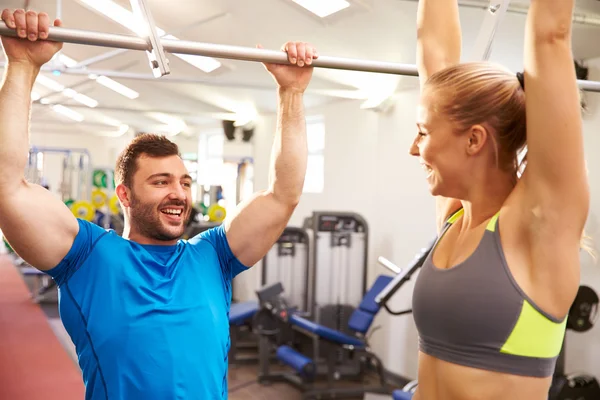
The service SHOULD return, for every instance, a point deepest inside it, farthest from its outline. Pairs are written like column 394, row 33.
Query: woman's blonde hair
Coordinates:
column 487, row 94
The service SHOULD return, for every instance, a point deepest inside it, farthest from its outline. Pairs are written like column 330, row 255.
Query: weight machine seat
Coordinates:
column 362, row 318
column 240, row 313
column 401, row 395
column 326, row 333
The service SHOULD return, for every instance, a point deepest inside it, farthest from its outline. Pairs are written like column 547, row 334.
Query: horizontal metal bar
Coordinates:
column 589, row 86
column 102, row 39
column 278, row 57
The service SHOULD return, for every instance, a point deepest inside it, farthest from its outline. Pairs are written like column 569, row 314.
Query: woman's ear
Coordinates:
column 477, row 137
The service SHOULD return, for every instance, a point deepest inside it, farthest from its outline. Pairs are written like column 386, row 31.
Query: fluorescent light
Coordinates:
column 128, row 19
column 117, row 87
column 69, row 93
column 67, row 112
column 49, row 83
column 57, row 87
column 123, row 129
column 80, row 98
column 323, row 8
column 85, row 100
column 245, row 115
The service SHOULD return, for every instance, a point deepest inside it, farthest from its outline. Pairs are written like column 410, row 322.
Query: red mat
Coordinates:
column 33, row 363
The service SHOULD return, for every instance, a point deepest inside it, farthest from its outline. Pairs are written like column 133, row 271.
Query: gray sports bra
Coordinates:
column 475, row 314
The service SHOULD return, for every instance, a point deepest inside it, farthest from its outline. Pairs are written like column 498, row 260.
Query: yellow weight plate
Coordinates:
column 114, row 206
column 83, row 210
column 99, row 198
column 216, row 213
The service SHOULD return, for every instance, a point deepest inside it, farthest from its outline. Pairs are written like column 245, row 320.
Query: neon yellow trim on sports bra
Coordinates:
column 454, row 217
column 491, row 226
column 534, row 335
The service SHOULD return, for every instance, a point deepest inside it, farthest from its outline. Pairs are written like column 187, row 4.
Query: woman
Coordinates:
column 491, row 301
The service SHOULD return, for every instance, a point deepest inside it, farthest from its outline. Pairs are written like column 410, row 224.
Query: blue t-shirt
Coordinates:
column 148, row 321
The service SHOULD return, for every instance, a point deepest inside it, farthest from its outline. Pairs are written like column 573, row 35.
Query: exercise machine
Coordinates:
column 287, row 261
column 338, row 266
column 76, row 179
column 279, row 329
column 338, row 272
column 279, row 326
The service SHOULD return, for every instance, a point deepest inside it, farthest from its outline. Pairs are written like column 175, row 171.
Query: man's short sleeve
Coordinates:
column 83, row 244
column 230, row 265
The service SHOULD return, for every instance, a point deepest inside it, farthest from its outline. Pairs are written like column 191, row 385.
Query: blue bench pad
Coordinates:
column 239, row 313
column 326, row 333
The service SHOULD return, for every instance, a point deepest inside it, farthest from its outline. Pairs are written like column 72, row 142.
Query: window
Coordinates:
column 315, row 169
column 210, row 158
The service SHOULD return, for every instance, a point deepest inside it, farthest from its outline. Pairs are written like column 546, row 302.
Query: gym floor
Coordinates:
column 242, row 378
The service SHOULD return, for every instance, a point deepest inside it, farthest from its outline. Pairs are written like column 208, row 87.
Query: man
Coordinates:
column 148, row 313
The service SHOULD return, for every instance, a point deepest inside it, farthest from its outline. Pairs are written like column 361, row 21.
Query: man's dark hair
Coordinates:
column 147, row 144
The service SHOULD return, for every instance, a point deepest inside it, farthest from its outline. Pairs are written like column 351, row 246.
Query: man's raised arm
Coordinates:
column 259, row 221
column 38, row 226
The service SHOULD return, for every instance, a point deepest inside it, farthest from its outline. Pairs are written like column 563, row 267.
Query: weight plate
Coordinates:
column 99, row 178
column 83, row 210
column 216, row 213
column 99, row 198
column 583, row 312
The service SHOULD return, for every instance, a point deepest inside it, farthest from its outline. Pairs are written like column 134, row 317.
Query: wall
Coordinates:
column 405, row 222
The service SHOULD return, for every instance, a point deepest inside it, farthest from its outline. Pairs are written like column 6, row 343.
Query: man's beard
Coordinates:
column 146, row 219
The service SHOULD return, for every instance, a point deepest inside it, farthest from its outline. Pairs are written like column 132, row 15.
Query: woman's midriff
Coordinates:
column 440, row 380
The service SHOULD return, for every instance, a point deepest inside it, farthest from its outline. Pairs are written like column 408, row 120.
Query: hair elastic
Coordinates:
column 521, row 79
